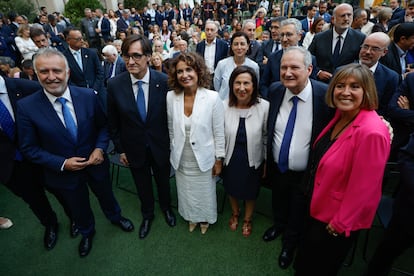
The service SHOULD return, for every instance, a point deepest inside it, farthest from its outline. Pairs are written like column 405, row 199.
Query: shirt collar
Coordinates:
column 52, row 98
column 74, row 51
column 145, row 79
column 303, row 95
column 3, row 88
column 335, row 34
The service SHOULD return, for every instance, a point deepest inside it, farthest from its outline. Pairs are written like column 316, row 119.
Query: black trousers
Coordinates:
column 78, row 198
column 27, row 183
column 289, row 205
column 321, row 253
column 143, row 182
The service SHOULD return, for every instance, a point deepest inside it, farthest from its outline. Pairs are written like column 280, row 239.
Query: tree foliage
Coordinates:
column 74, row 9
column 21, row 7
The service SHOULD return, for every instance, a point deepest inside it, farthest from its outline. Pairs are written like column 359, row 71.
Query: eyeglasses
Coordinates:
column 288, row 35
column 134, row 56
column 76, row 38
column 372, row 48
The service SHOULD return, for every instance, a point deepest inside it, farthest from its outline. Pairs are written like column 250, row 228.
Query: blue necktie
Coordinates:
column 287, row 137
column 78, row 59
column 336, row 51
column 141, row 102
column 69, row 121
column 8, row 126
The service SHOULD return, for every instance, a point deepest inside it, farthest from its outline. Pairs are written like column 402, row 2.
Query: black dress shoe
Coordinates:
column 125, row 224
column 74, row 231
column 170, row 218
column 285, row 258
column 271, row 234
column 144, row 228
column 50, row 236
column 85, row 245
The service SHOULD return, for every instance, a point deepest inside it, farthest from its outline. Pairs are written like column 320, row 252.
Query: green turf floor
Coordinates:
column 166, row 251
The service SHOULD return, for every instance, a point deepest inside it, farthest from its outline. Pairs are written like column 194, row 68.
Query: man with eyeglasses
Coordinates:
column 337, row 46
column 85, row 67
column 137, row 116
column 290, row 34
column 272, row 45
column 374, row 47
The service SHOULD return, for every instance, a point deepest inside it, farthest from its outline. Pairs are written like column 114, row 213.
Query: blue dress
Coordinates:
column 241, row 181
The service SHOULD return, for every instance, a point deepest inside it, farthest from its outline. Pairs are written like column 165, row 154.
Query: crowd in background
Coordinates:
column 241, row 73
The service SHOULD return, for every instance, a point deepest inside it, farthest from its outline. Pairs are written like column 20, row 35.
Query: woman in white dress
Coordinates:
column 196, row 128
column 24, row 43
column 239, row 49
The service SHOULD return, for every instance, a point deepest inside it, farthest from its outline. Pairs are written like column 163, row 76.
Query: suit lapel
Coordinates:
column 49, row 113
column 153, row 96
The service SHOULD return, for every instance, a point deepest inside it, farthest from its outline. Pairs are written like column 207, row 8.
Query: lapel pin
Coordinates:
column 157, row 85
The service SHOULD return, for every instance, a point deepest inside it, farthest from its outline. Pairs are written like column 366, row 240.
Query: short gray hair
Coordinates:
column 307, row 57
column 109, row 49
column 292, row 21
column 49, row 52
column 245, row 22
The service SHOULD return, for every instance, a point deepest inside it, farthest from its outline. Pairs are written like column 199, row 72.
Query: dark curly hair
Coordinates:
column 236, row 72
column 197, row 63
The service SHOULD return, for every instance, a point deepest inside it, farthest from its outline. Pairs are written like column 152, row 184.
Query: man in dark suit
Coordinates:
column 399, row 235
column 138, row 125
column 85, row 67
column 310, row 17
column 398, row 13
column 65, row 131
column 290, row 35
column 113, row 64
column 403, row 41
column 374, row 47
column 401, row 112
column 249, row 27
column 272, row 45
column 337, row 46
column 123, row 23
column 287, row 173
column 217, row 49
column 23, row 178
column 103, row 26
column 323, row 12
column 53, row 30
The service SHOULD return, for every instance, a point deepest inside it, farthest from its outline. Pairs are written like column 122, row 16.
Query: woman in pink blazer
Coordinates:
column 347, row 165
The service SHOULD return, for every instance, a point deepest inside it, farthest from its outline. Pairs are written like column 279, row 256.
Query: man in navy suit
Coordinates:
column 65, row 131
column 310, row 17
column 53, row 30
column 113, row 64
column 399, row 235
column 249, row 27
column 138, row 125
column 398, row 13
column 401, row 112
column 323, row 12
column 329, row 54
column 288, row 189
column 217, row 49
column 123, row 23
column 272, row 45
column 402, row 42
column 374, row 47
column 290, row 34
column 103, row 26
column 20, row 176
column 85, row 67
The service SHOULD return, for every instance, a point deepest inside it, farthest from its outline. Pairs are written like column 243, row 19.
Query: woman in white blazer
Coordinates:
column 196, row 128
column 245, row 127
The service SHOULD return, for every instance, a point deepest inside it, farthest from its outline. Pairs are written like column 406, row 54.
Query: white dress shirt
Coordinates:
column 58, row 106
column 145, row 87
column 335, row 39
column 300, row 144
column 4, row 97
column 209, row 55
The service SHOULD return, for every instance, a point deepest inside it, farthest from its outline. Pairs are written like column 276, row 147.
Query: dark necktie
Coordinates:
column 337, row 50
column 69, row 121
column 110, row 70
column 8, row 126
column 275, row 46
column 141, row 102
column 287, row 137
